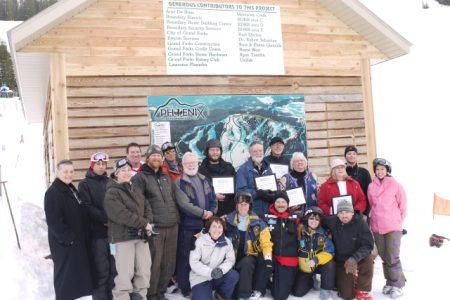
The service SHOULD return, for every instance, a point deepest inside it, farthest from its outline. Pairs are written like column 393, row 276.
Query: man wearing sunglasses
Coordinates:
column 164, row 197
column 171, row 165
column 92, row 191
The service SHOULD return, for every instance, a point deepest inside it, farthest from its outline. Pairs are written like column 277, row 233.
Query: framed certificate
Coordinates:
column 336, row 200
column 223, row 185
column 279, row 170
column 268, row 182
column 296, row 197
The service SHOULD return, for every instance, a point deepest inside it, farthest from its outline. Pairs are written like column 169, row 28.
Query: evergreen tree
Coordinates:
column 7, row 75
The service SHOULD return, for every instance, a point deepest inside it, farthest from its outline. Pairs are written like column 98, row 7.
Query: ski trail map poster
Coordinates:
column 235, row 120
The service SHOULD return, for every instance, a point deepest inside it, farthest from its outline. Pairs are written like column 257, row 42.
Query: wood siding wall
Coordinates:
column 107, row 113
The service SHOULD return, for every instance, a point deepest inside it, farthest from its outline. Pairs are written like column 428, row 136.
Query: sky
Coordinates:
column 410, row 106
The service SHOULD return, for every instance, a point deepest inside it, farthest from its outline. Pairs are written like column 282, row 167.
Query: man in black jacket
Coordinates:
column 92, row 192
column 276, row 152
column 353, row 242
column 164, row 197
column 214, row 166
column 361, row 174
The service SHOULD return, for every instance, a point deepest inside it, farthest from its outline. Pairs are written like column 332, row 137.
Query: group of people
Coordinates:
column 130, row 234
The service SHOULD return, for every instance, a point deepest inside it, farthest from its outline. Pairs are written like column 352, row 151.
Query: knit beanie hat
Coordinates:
column 282, row 195
column 350, row 148
column 275, row 140
column 345, row 206
column 152, row 149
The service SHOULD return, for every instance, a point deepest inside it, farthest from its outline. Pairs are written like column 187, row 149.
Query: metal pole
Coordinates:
column 10, row 211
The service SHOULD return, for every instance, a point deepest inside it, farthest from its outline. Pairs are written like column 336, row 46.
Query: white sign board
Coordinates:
column 223, row 38
column 161, row 132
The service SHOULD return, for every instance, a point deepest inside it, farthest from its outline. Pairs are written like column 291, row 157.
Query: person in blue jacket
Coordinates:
column 200, row 193
column 315, row 256
column 255, row 166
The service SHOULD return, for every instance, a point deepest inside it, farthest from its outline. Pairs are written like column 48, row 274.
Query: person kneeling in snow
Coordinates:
column 211, row 260
column 353, row 243
column 315, row 256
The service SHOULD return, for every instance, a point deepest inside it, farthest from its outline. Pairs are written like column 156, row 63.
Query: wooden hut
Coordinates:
column 86, row 67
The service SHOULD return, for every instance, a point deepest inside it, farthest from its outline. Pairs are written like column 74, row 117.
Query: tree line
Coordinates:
column 22, row 10
column 16, row 10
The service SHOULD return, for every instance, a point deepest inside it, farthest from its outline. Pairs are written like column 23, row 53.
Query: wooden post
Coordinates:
column 368, row 112
column 10, row 212
column 59, row 107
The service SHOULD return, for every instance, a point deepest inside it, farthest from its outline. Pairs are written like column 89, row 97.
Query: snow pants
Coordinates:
column 346, row 283
column 133, row 264
column 224, row 286
column 163, row 251
column 283, row 280
column 185, row 236
column 304, row 281
column 252, row 276
column 388, row 246
column 105, row 269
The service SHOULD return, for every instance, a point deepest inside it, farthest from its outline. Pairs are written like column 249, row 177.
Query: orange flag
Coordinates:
column 441, row 206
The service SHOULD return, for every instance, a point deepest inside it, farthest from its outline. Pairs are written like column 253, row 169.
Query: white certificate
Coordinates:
column 223, row 185
column 279, row 170
column 266, row 183
column 296, row 197
column 336, row 200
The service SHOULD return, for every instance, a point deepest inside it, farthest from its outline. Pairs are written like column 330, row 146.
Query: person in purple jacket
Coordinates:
column 388, row 201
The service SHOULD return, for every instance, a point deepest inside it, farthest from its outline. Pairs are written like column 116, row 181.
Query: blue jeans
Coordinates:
column 224, row 285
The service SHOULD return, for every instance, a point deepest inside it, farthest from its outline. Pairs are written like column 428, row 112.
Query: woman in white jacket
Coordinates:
column 212, row 262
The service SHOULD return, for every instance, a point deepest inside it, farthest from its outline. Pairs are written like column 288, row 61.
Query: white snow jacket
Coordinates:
column 208, row 255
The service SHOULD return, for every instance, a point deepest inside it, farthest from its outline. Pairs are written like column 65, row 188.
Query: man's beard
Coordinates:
column 214, row 160
column 257, row 159
column 191, row 172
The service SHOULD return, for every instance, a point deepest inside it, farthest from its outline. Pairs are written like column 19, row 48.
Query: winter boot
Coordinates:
column 326, row 295
column 316, row 282
column 136, row 296
column 396, row 292
column 361, row 295
column 387, row 289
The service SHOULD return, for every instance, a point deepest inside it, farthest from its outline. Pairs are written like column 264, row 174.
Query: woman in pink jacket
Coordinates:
column 388, row 201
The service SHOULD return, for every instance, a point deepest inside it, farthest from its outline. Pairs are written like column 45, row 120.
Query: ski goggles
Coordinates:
column 167, row 146
column 120, row 164
column 380, row 161
column 99, row 156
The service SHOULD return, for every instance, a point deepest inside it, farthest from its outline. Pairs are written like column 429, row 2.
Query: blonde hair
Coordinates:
column 333, row 174
column 298, row 155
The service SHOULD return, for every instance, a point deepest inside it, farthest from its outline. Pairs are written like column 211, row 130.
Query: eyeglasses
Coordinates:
column 99, row 156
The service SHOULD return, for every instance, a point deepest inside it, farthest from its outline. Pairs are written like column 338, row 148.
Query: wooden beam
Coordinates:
column 368, row 112
column 59, row 107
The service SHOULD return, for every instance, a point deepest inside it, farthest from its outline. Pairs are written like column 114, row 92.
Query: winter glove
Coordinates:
column 216, row 273
column 269, row 266
column 260, row 194
column 351, row 266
